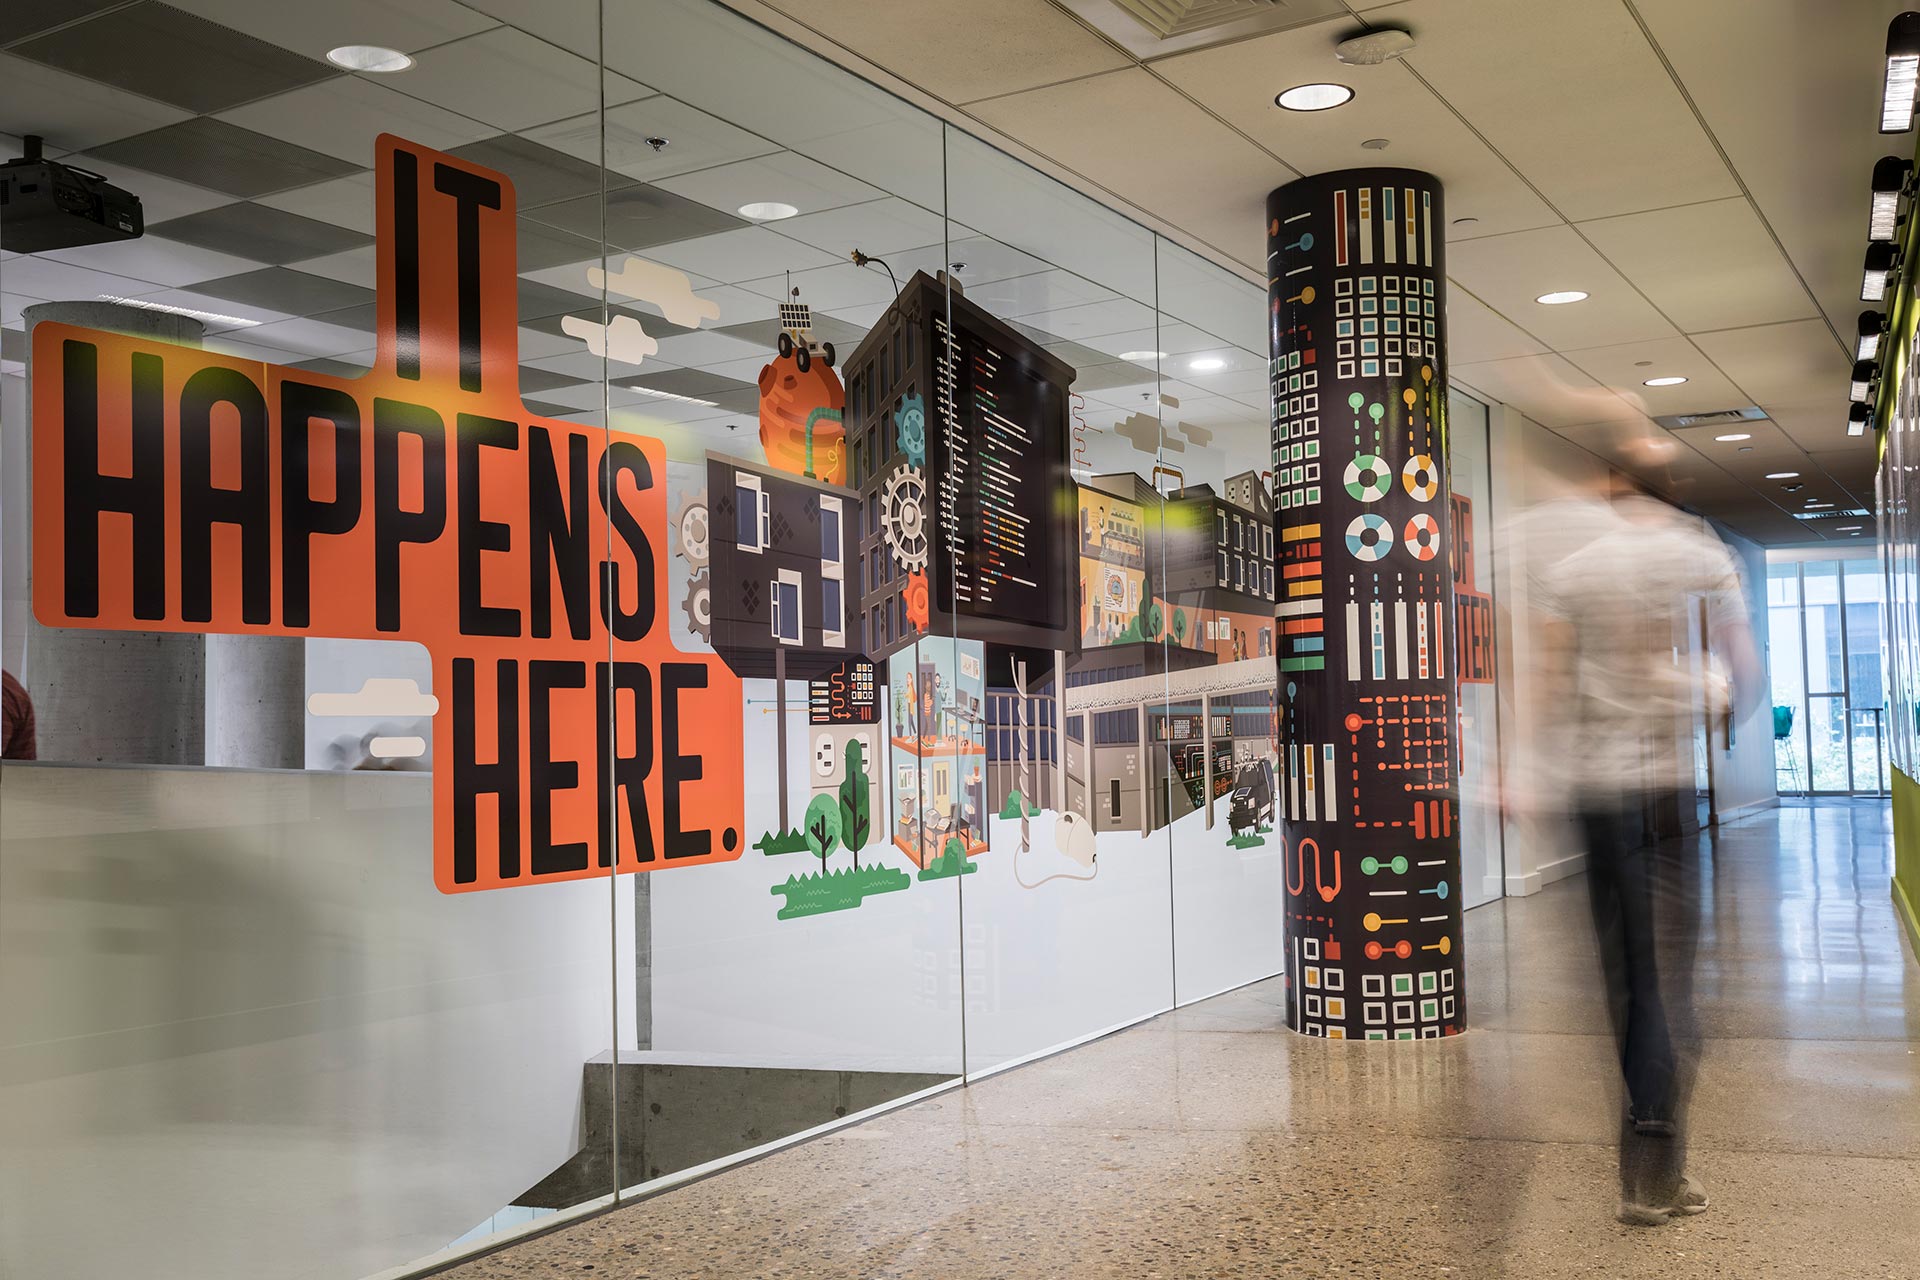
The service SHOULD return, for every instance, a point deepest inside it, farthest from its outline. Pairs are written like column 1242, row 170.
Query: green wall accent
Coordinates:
column 1906, row 854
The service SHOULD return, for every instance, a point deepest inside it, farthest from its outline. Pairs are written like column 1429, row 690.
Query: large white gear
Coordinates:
column 904, row 507
column 691, row 528
column 697, row 604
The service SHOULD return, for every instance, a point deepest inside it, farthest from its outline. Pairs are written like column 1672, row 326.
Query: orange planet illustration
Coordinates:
column 800, row 419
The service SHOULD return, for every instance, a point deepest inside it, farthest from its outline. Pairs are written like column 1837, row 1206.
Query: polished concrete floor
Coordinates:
column 1211, row 1142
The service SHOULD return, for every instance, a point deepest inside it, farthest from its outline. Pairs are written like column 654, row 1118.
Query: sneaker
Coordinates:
column 1634, row 1214
column 1691, row 1198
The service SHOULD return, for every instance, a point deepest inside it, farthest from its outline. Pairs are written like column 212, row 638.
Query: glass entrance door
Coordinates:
column 1828, row 690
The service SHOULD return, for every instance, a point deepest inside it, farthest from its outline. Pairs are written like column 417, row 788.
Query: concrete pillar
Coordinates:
column 1369, row 718
column 130, row 697
column 256, row 701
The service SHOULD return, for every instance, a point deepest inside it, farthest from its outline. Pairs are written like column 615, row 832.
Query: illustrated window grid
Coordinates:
column 1369, row 368
column 1406, row 1033
column 1402, row 984
column 1391, row 284
column 1430, row 1033
column 1446, row 979
column 1343, row 286
column 1373, row 985
column 1402, row 1010
column 1342, row 307
column 1369, row 284
column 1446, row 1006
column 1336, row 1007
column 1429, row 983
column 1393, row 368
column 1374, row 1013
column 1346, row 369
column 1313, row 1004
column 1311, row 975
column 1310, row 948
column 1333, row 980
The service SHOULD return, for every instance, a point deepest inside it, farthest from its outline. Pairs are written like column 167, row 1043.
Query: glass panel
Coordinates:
column 1826, row 650
column 1788, row 674
column 1482, row 869
column 1046, row 439
column 1829, row 742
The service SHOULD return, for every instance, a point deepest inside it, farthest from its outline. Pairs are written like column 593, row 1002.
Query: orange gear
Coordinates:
column 917, row 596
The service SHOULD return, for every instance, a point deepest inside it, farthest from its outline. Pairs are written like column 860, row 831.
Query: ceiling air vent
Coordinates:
column 1155, row 28
column 1712, row 417
column 1849, row 513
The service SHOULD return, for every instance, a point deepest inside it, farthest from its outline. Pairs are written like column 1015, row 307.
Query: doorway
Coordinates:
column 1829, row 693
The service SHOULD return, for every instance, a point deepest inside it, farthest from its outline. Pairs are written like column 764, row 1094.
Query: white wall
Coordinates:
column 243, row 1036
column 1743, row 779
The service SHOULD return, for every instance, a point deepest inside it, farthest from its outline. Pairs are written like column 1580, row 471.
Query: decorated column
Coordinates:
column 1369, row 799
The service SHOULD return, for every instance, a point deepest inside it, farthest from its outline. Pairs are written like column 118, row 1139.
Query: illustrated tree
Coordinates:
column 1179, row 626
column 856, row 802
column 822, row 828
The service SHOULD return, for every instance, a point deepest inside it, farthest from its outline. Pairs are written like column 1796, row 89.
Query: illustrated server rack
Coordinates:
column 958, row 443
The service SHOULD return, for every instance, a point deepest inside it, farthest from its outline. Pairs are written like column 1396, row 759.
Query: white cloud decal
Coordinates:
column 663, row 287
column 378, row 698
column 623, row 340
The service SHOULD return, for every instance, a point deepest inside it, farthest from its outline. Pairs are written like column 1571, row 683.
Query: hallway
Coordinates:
column 1212, row 1142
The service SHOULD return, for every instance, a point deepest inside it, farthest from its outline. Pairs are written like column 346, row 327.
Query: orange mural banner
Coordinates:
column 176, row 489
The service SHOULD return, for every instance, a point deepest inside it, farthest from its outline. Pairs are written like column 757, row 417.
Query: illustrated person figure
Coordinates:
column 18, row 740
column 1616, row 580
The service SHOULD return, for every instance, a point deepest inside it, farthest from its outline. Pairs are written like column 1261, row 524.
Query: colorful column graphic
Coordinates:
column 1368, row 727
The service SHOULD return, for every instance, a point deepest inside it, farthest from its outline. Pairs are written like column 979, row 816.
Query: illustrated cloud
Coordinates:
column 1142, row 430
column 623, row 340
column 664, row 287
column 1201, row 436
column 378, row 698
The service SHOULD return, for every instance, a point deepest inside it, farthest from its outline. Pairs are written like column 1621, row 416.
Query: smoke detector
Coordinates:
column 1371, row 48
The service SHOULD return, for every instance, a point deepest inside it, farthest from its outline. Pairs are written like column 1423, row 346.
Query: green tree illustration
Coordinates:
column 822, row 826
column 856, row 802
column 1179, row 626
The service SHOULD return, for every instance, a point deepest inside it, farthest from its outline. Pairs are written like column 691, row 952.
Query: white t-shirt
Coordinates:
column 1624, row 576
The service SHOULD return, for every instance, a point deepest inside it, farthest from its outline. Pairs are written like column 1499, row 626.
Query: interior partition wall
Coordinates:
column 596, row 602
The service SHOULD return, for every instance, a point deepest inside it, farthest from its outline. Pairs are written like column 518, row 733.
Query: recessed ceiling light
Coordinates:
column 369, row 57
column 1848, row 528
column 1376, row 144
column 1783, row 475
column 767, row 211
column 1733, row 436
column 1143, row 355
column 1465, row 222
column 1562, row 297
column 1314, row 97
column 1663, row 382
column 1812, row 504
column 668, row 395
column 1207, row 364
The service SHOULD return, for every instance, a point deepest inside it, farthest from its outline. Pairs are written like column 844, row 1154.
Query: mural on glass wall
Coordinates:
column 902, row 610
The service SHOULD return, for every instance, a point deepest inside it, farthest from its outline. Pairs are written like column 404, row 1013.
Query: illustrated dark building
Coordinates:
column 783, row 578
column 1218, row 545
column 958, row 446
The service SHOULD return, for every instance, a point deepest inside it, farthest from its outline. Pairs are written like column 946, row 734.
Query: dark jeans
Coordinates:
column 1624, row 882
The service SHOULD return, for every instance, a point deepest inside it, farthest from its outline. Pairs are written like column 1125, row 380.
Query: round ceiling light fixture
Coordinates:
column 1663, row 382
column 1734, row 437
column 1143, row 355
column 1371, row 48
column 767, row 211
column 1783, row 475
column 369, row 57
column 1561, row 297
column 1314, row 97
column 1207, row 364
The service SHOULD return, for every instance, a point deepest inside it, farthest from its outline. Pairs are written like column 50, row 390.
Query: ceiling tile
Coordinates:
column 343, row 117
column 23, row 18
column 1008, row 45
column 41, row 277
column 1795, row 363
column 286, row 291
column 224, row 157
column 344, row 202
column 1573, row 95
column 1624, row 369
column 511, row 80
column 782, row 176
column 306, row 337
column 746, row 254
column 263, row 234
column 73, row 113
column 1238, row 81
column 1707, row 266
column 693, row 140
column 635, row 217
column 877, row 227
column 155, row 258
column 1817, row 425
column 160, row 198
column 355, row 266
column 1545, row 388
column 313, row 29
column 1133, row 135
column 540, row 174
column 1476, row 332
column 1508, row 272
column 1090, row 320
column 163, row 53
column 837, row 289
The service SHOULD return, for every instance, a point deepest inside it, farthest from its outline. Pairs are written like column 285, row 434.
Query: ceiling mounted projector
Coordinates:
column 1372, row 48
column 48, row 205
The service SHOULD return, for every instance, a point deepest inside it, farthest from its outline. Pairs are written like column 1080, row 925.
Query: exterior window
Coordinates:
column 1221, row 516
column 1239, row 534
column 751, row 512
column 1239, row 573
column 1223, row 568
column 1113, row 796
column 784, row 591
column 1269, row 573
column 1267, row 542
column 833, row 574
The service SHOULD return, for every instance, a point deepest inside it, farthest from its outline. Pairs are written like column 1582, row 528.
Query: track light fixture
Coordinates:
column 1863, row 376
column 1878, row 272
column 1857, row 418
column 1872, row 325
column 1903, row 74
column 1891, row 175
